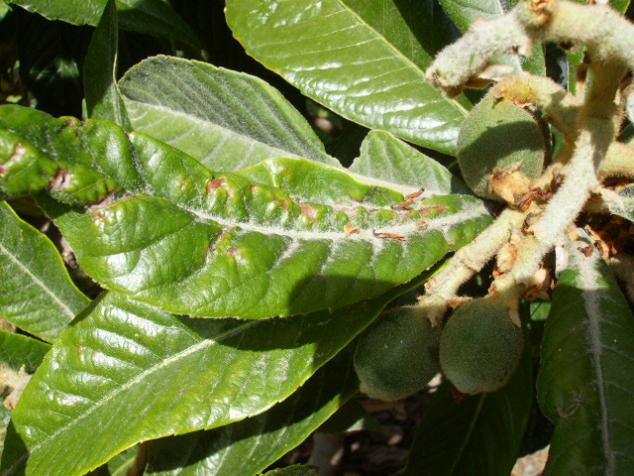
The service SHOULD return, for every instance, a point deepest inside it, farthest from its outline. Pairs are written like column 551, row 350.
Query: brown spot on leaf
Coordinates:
column 407, row 203
column 307, row 210
column 349, row 229
column 18, row 153
column 60, row 181
column 416, row 194
column 432, row 209
column 214, row 184
column 390, row 236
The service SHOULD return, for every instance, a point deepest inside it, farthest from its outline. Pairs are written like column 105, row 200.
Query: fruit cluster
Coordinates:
column 504, row 155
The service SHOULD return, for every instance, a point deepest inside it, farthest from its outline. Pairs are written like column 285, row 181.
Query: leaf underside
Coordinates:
column 585, row 382
column 473, row 435
column 224, row 119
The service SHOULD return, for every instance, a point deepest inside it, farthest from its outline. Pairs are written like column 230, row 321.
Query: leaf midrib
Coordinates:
column 199, row 346
column 469, row 432
column 208, row 124
column 63, row 306
column 589, row 277
column 470, row 211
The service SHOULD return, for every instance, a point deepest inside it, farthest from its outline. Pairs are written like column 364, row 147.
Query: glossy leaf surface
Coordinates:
column 77, row 163
column 36, row 293
column 334, row 52
column 163, row 375
column 18, row 350
column 250, row 446
column 391, row 160
column 473, row 435
column 204, row 244
column 153, row 17
column 585, row 382
column 225, row 119
column 103, row 99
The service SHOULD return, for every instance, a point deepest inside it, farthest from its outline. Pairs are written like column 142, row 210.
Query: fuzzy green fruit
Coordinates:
column 499, row 136
column 480, row 347
column 398, row 355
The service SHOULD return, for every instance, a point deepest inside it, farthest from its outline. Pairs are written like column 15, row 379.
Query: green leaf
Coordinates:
column 212, row 245
column 473, row 435
column 314, row 182
column 251, row 445
column 587, row 361
column 391, row 160
column 225, row 119
column 333, row 51
column 76, row 162
column 14, row 453
column 103, row 99
column 418, row 29
column 120, row 464
column 4, row 9
column 619, row 5
column 163, row 375
column 18, row 351
column 465, row 12
column 152, row 17
column 36, row 293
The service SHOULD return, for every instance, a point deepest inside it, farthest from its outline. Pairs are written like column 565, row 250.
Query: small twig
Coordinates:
column 467, row 261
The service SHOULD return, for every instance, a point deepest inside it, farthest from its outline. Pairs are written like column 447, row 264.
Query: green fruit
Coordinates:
column 498, row 135
column 480, row 347
column 398, row 355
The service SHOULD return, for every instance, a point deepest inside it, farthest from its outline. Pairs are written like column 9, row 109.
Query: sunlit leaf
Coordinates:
column 164, row 375
column 196, row 242
column 335, row 53
column 36, row 293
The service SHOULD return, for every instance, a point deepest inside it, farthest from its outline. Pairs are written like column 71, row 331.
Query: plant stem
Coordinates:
column 467, row 261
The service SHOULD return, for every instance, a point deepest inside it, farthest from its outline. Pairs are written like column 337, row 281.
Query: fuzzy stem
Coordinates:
column 596, row 127
column 560, row 107
column 608, row 37
column 467, row 261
